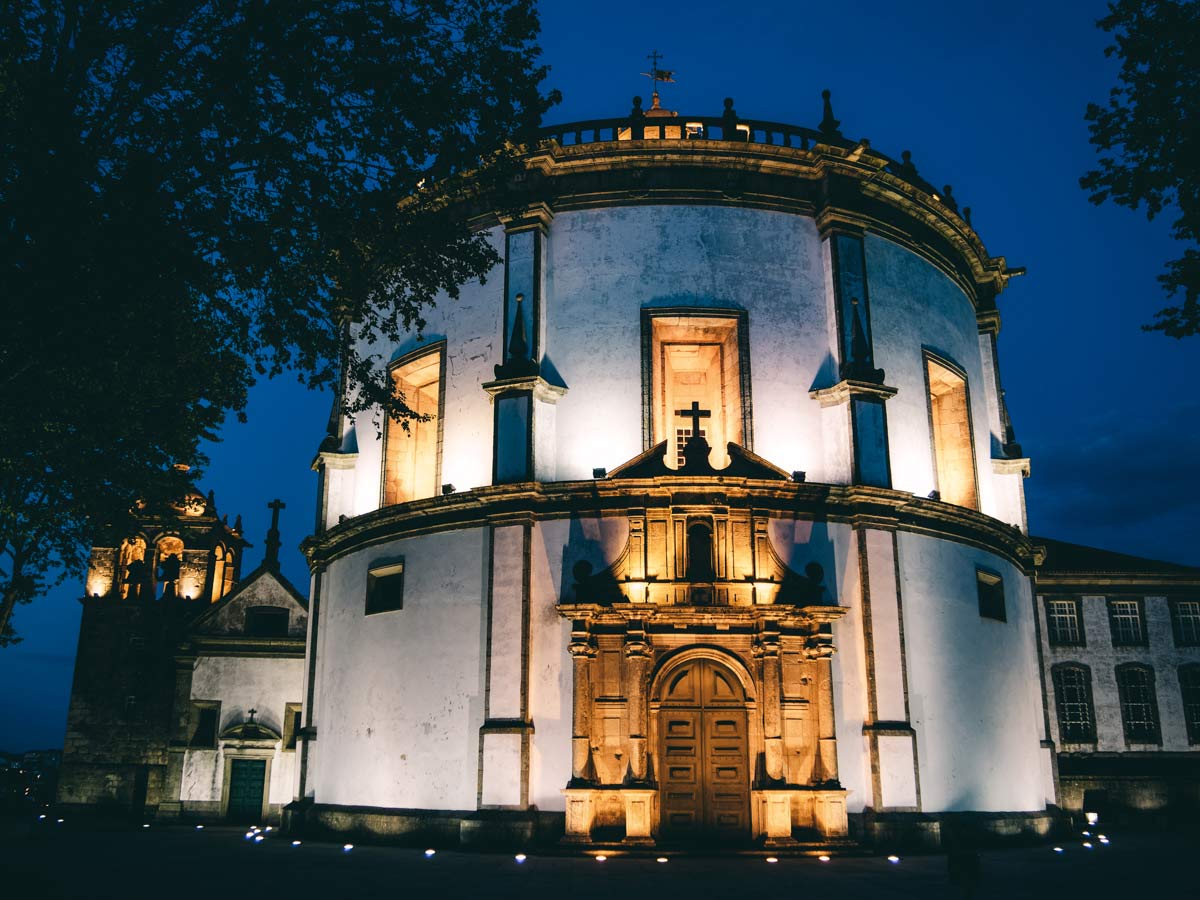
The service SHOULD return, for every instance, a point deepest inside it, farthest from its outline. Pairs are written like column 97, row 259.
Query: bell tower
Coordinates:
column 142, row 590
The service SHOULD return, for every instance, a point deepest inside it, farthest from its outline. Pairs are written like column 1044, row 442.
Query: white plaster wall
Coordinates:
column 550, row 672
column 836, row 549
column 1099, row 654
column 242, row 684
column 401, row 694
column 973, row 687
column 913, row 305
column 606, row 264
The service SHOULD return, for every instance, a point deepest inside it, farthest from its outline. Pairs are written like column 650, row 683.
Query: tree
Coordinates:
column 1148, row 136
column 193, row 194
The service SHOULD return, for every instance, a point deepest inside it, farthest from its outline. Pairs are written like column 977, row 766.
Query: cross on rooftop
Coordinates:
column 695, row 414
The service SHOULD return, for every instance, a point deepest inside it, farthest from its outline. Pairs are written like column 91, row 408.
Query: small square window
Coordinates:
column 1064, row 622
column 385, row 588
column 991, row 595
column 1125, row 621
column 1185, row 618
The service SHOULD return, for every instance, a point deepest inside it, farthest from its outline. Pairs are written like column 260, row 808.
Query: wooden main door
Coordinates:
column 247, row 780
column 704, row 780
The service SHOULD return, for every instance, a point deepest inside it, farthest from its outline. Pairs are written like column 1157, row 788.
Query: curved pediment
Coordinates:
column 742, row 464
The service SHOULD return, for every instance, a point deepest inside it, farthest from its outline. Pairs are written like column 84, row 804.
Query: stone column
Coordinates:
column 768, row 652
column 827, row 762
column 583, row 651
column 637, row 662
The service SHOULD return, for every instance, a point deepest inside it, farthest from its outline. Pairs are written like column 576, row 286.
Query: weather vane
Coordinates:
column 666, row 76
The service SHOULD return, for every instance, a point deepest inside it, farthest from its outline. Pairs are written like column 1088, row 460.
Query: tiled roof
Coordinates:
column 1065, row 557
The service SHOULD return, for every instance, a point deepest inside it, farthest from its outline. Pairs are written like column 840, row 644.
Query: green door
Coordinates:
column 246, row 780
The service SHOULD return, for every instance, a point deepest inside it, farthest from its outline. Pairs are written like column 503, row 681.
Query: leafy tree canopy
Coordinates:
column 196, row 193
column 1148, row 135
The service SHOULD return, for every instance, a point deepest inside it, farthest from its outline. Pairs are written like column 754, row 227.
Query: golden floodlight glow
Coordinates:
column 601, row 858
column 772, row 859
column 661, row 859
column 1092, row 818
column 823, row 858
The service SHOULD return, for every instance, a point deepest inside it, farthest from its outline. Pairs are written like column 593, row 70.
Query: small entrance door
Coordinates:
column 247, row 778
column 705, row 777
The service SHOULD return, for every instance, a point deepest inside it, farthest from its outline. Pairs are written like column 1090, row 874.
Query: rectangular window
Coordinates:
column 205, row 718
column 1125, row 621
column 1185, row 620
column 990, row 588
column 1073, row 697
column 385, row 588
column 291, row 725
column 1064, row 623
column 412, row 449
column 1139, row 705
column 267, row 622
column 1189, row 684
column 950, row 425
column 696, row 363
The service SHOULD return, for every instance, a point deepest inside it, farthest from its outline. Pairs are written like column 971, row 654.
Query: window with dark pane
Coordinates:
column 204, row 724
column 1185, row 620
column 291, row 725
column 1125, row 621
column 1189, row 684
column 1073, row 697
column 1064, row 622
column 990, row 587
column 1139, row 706
column 385, row 588
column 267, row 621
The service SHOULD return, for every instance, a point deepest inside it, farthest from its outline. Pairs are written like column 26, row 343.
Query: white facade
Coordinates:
column 497, row 684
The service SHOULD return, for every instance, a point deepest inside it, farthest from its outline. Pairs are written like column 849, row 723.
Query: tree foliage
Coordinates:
column 1148, row 136
column 193, row 194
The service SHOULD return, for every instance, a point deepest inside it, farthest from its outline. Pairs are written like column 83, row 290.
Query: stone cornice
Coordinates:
column 844, row 390
column 833, row 185
column 1148, row 584
column 533, row 384
column 856, row 505
column 243, row 645
column 1018, row 466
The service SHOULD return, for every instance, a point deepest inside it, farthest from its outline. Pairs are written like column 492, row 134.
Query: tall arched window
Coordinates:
column 222, row 571
column 1139, row 703
column 412, row 449
column 1073, row 698
column 950, row 425
column 131, row 575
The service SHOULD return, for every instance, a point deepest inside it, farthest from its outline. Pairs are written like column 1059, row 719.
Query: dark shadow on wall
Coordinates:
column 811, row 559
column 584, row 576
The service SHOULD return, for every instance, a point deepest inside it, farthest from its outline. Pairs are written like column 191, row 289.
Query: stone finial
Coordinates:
column 906, row 166
column 829, row 125
column 637, row 112
column 948, row 197
column 861, row 364
column 729, row 122
column 967, row 216
column 212, row 503
column 237, row 524
column 271, row 560
column 517, row 362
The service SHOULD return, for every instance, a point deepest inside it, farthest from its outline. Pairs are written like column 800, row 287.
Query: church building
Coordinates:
column 712, row 530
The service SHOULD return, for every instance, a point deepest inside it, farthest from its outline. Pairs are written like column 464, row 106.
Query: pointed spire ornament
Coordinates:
column 948, row 197
column 518, row 363
column 861, row 364
column 829, row 125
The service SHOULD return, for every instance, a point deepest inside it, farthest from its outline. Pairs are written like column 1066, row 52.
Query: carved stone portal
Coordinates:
column 702, row 714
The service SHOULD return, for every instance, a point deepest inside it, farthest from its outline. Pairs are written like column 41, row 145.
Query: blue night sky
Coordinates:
column 989, row 98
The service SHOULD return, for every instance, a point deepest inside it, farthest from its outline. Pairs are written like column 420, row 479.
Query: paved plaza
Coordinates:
column 47, row 859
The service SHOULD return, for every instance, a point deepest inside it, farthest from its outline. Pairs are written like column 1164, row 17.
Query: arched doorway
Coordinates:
column 703, row 748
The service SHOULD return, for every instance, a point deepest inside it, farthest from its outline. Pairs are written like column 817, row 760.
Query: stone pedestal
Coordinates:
column 640, row 815
column 829, row 813
column 581, row 813
column 773, row 816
